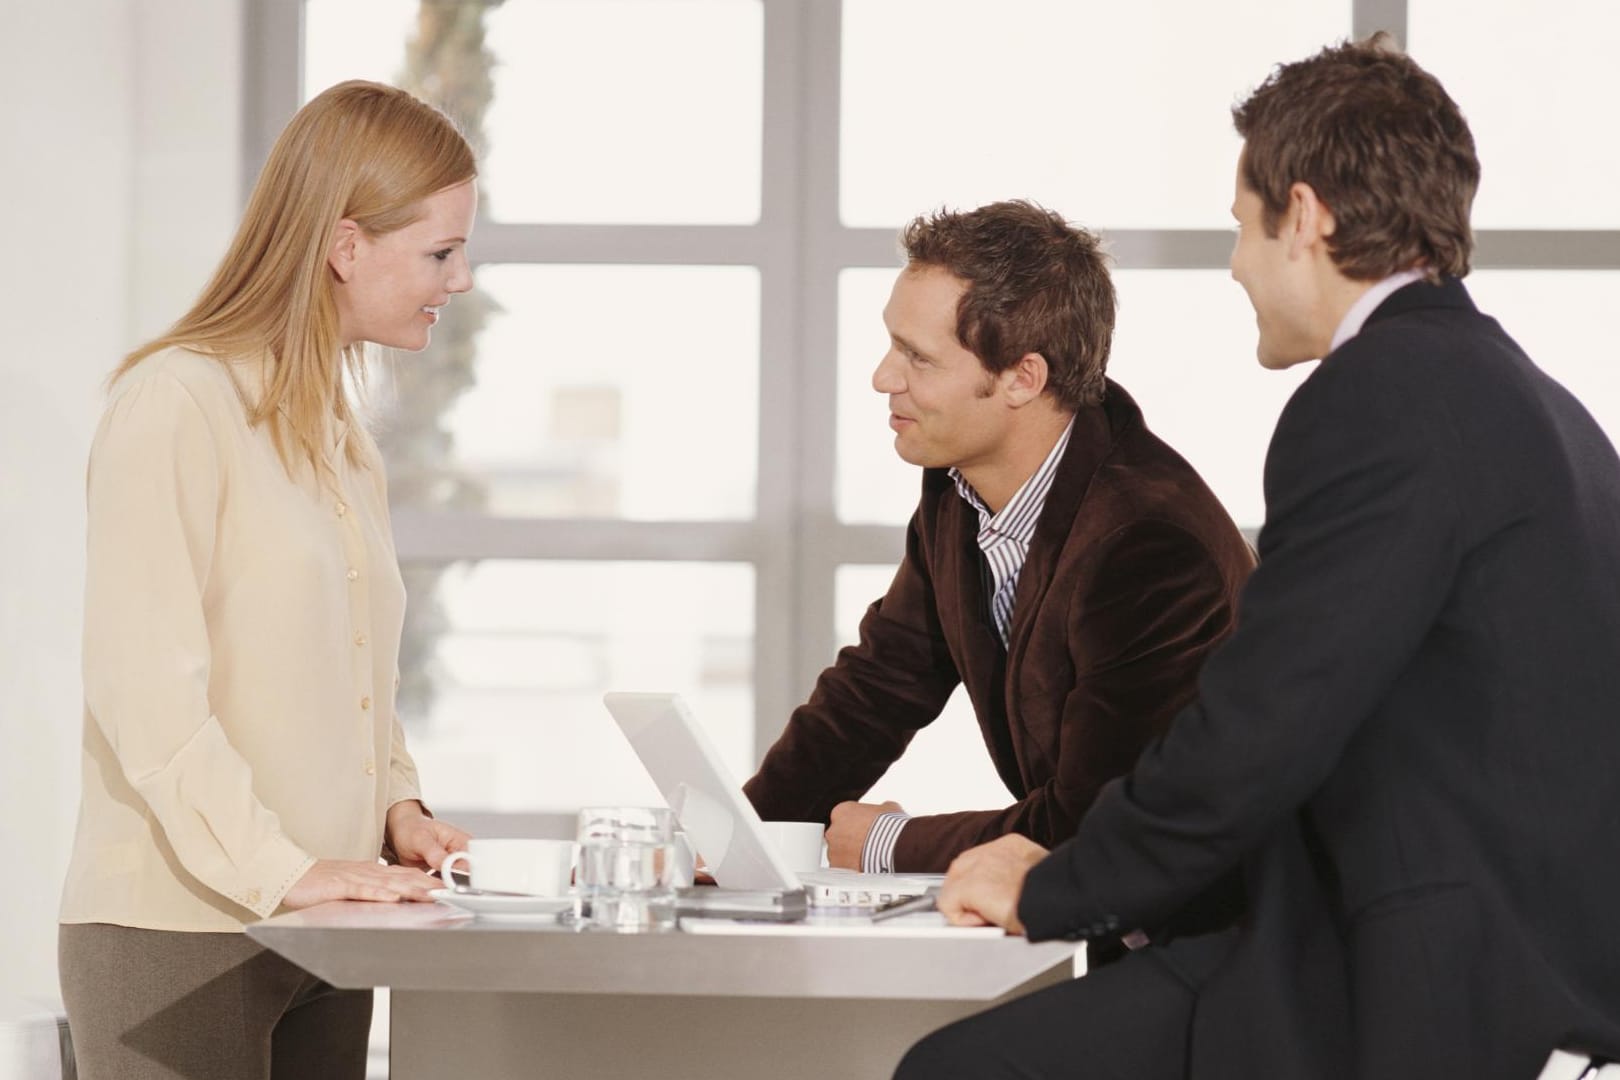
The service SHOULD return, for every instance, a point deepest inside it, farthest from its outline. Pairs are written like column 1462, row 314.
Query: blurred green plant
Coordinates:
column 447, row 63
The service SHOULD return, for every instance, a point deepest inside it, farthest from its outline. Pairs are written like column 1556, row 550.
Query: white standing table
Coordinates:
column 484, row 1000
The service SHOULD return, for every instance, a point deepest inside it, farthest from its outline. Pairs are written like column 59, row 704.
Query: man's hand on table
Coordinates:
column 846, row 834
column 984, row 883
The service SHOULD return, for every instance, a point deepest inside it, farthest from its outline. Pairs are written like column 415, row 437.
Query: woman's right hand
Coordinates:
column 353, row 879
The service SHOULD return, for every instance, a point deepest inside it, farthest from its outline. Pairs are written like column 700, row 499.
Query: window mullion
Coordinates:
column 820, row 236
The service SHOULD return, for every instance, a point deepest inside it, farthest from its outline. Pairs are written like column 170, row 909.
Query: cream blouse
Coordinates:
column 241, row 641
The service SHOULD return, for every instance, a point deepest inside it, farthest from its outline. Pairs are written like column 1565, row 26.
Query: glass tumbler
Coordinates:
column 628, row 866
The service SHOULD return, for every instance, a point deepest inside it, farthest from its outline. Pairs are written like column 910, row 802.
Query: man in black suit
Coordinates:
column 1411, row 744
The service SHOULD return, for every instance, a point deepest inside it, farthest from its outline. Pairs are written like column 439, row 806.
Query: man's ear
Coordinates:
column 1309, row 221
column 1025, row 380
column 345, row 250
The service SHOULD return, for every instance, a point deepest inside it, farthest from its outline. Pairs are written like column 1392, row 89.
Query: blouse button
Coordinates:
column 371, row 768
column 342, row 508
column 359, row 639
column 353, row 574
column 365, row 703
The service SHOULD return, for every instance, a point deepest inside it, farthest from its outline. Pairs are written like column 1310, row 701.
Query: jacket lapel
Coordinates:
column 1095, row 431
column 975, row 627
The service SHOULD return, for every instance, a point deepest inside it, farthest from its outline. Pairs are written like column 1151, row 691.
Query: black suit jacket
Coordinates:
column 1132, row 577
column 1411, row 744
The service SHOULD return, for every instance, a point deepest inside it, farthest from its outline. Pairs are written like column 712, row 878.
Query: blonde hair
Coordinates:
column 359, row 150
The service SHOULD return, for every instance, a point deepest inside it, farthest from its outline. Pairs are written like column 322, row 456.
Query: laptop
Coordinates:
column 722, row 823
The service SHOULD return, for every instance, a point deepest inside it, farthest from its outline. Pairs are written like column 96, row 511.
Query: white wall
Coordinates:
column 121, row 128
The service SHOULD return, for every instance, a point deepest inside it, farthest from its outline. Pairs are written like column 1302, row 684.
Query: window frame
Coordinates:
column 796, row 541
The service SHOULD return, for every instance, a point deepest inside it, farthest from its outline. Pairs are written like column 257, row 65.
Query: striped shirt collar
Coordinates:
column 1005, row 537
column 1016, row 521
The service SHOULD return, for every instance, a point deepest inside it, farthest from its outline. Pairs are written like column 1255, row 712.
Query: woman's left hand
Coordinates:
column 419, row 840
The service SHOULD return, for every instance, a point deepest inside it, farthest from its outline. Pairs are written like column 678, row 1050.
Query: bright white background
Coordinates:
column 120, row 190
column 945, row 105
column 123, row 131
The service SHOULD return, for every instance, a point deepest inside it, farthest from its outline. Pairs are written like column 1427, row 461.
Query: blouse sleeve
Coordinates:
column 403, row 783
column 153, row 495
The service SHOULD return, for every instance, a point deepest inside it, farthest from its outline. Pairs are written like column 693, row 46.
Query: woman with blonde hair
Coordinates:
column 243, row 609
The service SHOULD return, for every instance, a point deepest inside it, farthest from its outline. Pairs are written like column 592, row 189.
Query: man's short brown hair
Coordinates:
column 1382, row 145
column 1035, row 284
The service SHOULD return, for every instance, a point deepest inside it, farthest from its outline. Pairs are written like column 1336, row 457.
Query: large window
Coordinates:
column 1115, row 114
column 645, row 454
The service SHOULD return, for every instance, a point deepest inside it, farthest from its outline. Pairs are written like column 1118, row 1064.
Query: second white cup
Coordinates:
column 533, row 867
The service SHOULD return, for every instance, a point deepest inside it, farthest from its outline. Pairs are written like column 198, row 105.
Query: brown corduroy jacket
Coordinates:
column 1131, row 580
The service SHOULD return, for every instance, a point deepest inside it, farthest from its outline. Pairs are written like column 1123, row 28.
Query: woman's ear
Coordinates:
column 345, row 250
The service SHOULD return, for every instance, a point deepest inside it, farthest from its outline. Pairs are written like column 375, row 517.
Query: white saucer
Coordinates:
column 506, row 907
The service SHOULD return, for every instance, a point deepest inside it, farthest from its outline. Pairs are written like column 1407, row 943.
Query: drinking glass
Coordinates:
column 628, row 865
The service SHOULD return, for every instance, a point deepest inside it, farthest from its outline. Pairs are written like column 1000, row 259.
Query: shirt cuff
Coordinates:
column 1053, row 905
column 270, row 875
column 877, row 854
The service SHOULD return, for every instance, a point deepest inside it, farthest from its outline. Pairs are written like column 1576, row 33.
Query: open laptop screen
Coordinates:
column 721, row 822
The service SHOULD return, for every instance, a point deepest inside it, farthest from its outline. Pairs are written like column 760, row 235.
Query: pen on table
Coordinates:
column 928, row 901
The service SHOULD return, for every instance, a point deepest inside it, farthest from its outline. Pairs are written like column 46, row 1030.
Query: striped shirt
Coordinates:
column 1004, row 538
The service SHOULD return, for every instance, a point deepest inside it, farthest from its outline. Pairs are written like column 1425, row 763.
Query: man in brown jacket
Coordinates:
column 1063, row 563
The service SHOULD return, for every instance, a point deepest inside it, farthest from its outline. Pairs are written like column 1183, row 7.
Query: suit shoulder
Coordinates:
column 1417, row 351
column 1429, row 369
column 1144, row 479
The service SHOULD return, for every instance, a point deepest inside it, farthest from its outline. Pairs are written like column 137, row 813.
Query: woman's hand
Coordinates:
column 354, row 879
column 418, row 840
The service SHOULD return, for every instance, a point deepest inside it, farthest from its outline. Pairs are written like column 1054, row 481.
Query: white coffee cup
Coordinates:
column 799, row 843
column 534, row 867
column 685, row 860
